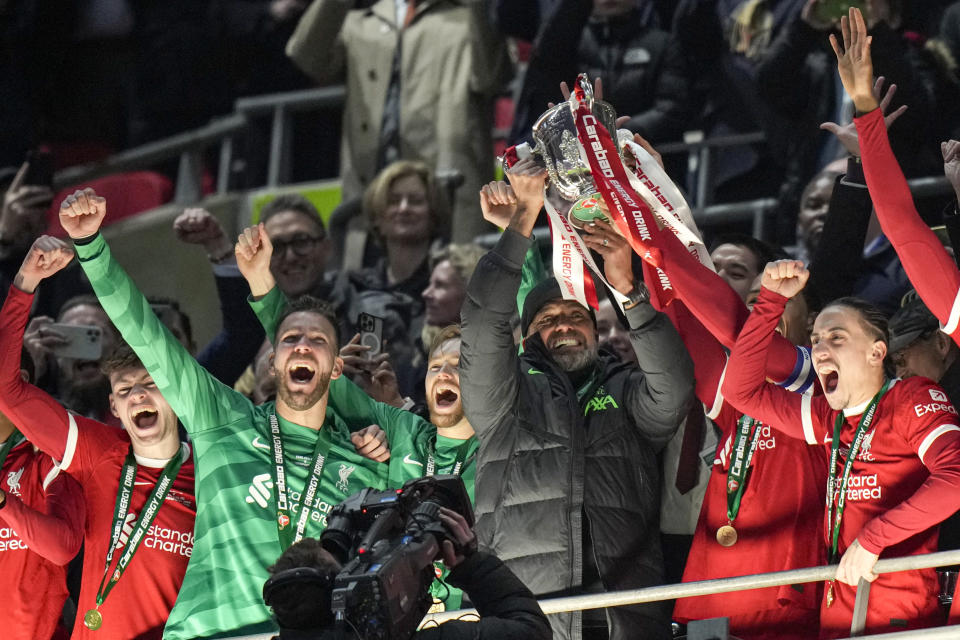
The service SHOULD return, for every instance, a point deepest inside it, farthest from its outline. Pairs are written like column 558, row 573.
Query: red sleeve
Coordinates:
column 935, row 437
column 714, row 303
column 931, row 270
column 56, row 532
column 745, row 386
column 38, row 416
column 708, row 355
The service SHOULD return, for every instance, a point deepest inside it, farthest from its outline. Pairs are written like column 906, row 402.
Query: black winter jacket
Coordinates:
column 547, row 459
column 643, row 70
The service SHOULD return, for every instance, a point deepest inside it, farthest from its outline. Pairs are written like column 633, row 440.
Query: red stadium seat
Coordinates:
column 127, row 193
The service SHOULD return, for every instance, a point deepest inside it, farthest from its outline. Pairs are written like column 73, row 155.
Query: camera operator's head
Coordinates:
column 300, row 586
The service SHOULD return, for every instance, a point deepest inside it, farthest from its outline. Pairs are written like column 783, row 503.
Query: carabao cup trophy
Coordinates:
column 596, row 172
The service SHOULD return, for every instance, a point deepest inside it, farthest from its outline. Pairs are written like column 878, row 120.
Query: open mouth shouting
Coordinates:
column 301, row 373
column 829, row 377
column 145, row 417
column 445, row 397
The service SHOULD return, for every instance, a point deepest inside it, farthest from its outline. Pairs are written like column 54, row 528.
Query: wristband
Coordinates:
column 218, row 259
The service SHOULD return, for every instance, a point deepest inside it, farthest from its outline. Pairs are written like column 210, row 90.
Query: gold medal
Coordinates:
column 829, row 594
column 92, row 619
column 727, row 536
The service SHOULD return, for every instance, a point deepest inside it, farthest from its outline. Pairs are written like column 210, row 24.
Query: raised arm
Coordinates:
column 316, row 45
column 489, row 376
column 929, row 267
column 38, row 416
column 199, row 399
column 744, row 385
column 662, row 388
column 55, row 531
column 234, row 347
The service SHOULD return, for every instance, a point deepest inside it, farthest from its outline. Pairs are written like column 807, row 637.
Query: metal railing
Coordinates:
column 727, row 585
column 188, row 147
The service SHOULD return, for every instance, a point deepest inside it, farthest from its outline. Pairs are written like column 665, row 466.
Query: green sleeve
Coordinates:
column 199, row 399
column 268, row 310
column 533, row 273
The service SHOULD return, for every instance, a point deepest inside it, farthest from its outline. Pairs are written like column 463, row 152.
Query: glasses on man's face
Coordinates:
column 302, row 245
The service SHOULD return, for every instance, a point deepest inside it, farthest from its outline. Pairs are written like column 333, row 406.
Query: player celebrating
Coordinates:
column 137, row 482
column 893, row 450
column 269, row 473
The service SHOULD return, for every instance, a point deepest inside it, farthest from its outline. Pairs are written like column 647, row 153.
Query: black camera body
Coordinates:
column 387, row 542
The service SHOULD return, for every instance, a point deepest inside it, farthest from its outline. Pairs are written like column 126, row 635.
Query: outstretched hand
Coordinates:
column 82, row 213
column 786, row 277
column 254, row 251
column 854, row 62
column 47, row 256
column 847, row 135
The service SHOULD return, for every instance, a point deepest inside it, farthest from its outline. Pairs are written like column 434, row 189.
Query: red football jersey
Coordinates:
column 93, row 454
column 903, row 483
column 888, row 470
column 40, row 532
column 778, row 526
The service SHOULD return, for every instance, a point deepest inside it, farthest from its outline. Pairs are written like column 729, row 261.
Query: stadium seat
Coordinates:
column 128, row 194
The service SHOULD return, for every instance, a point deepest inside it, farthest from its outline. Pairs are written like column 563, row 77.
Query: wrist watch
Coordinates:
column 638, row 294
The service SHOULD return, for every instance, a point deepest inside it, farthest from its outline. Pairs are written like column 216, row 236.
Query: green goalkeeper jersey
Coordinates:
column 416, row 449
column 236, row 533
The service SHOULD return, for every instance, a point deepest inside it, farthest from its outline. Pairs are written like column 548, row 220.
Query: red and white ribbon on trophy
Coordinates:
column 639, row 202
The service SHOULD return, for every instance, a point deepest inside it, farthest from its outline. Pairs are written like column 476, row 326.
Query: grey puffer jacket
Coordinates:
column 547, row 458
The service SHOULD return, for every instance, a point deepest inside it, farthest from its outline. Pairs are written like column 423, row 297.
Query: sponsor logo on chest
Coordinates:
column 601, row 401
column 158, row 537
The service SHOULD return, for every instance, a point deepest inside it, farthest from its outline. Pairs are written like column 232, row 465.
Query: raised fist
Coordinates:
column 254, row 251
column 786, row 277
column 199, row 226
column 47, row 256
column 82, row 213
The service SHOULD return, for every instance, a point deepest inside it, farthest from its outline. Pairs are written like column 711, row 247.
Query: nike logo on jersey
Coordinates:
column 259, row 445
column 408, row 460
column 531, row 371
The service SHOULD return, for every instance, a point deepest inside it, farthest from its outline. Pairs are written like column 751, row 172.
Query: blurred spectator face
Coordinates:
column 299, row 252
column 813, row 212
column 737, row 265
column 444, row 296
column 611, row 334
column 443, row 385
column 407, row 214
column 926, row 356
column 177, row 322
column 568, row 333
column 610, row 8
column 265, row 386
column 84, row 375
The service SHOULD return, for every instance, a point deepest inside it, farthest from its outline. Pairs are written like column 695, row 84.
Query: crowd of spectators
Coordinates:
column 604, row 449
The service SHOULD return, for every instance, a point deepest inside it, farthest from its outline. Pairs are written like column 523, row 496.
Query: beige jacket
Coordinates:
column 452, row 64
